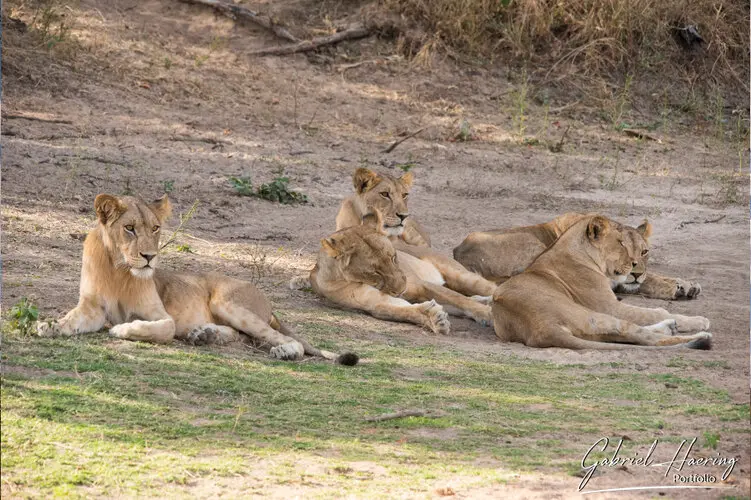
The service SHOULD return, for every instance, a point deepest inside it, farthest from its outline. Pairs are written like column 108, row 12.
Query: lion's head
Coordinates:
column 364, row 254
column 638, row 239
column 385, row 194
column 131, row 229
column 621, row 248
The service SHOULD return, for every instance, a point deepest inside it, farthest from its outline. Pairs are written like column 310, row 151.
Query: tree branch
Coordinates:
column 351, row 33
column 235, row 10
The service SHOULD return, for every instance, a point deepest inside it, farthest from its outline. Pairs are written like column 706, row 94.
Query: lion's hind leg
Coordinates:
column 247, row 322
column 604, row 328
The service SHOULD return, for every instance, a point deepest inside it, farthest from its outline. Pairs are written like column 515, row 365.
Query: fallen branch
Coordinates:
column 236, row 10
column 395, row 144
column 351, row 33
column 399, row 414
column 34, row 118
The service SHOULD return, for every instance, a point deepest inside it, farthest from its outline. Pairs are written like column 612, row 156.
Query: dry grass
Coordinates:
column 593, row 38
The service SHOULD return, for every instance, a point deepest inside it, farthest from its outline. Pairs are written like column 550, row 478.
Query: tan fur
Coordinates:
column 564, row 299
column 499, row 254
column 359, row 268
column 430, row 274
column 120, row 286
column 388, row 195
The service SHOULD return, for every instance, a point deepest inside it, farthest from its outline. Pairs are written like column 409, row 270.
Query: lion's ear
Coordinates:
column 645, row 229
column 329, row 246
column 162, row 208
column 374, row 221
column 364, row 180
column 108, row 208
column 407, row 179
column 597, row 227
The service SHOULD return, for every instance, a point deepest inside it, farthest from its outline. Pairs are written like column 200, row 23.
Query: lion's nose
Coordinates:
column 148, row 256
column 402, row 216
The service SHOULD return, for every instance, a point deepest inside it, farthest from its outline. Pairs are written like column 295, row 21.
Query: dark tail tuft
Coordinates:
column 347, row 359
column 703, row 343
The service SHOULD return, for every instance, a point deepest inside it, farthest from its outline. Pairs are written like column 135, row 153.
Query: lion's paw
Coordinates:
column 666, row 327
column 299, row 282
column 483, row 299
column 692, row 324
column 120, row 331
column 687, row 290
column 437, row 318
column 48, row 329
column 202, row 335
column 291, row 351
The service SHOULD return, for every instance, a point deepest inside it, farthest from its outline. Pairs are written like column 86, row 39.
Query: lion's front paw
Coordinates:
column 692, row 323
column 48, row 328
column 202, row 335
column 687, row 290
column 437, row 318
column 291, row 351
column 483, row 299
column 665, row 327
column 299, row 282
column 120, row 331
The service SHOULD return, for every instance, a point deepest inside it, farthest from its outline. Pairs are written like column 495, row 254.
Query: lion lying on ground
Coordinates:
column 500, row 254
column 121, row 284
column 451, row 284
column 564, row 299
column 358, row 268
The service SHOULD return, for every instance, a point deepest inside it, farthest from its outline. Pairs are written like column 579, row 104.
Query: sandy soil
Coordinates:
column 165, row 96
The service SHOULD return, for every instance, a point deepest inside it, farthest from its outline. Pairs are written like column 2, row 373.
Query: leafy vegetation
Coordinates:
column 277, row 190
column 22, row 317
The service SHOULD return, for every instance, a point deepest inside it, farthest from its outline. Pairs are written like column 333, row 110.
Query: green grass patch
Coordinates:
column 170, row 417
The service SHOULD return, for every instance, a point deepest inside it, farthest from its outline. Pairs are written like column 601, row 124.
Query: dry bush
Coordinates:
column 593, row 38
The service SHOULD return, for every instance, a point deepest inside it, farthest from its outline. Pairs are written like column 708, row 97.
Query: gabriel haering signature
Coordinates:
column 681, row 463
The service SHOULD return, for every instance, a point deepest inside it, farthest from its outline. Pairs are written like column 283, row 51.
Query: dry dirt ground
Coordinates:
column 158, row 95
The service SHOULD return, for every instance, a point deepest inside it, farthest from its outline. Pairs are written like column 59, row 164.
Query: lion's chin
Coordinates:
column 619, row 279
column 142, row 272
column 394, row 230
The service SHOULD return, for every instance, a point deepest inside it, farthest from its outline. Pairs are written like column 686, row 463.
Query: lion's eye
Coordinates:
column 386, row 195
column 393, row 259
column 130, row 229
column 644, row 252
column 155, row 228
column 405, row 195
column 622, row 244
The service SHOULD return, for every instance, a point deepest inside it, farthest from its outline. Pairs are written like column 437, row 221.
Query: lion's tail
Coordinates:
column 346, row 359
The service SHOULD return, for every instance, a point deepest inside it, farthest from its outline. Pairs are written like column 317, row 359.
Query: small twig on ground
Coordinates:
column 640, row 134
column 706, row 221
column 34, row 118
column 395, row 144
column 197, row 239
column 351, row 33
column 236, row 10
column 399, row 414
column 558, row 146
column 183, row 219
column 209, row 140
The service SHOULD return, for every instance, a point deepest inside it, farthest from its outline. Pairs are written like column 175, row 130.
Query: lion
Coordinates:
column 564, row 298
column 451, row 284
column 358, row 268
column 499, row 254
column 388, row 195
column 122, row 284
